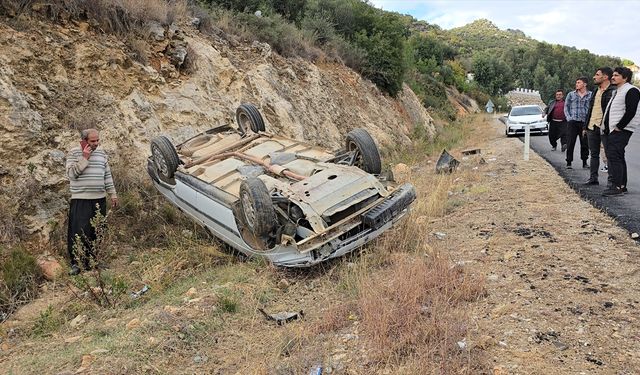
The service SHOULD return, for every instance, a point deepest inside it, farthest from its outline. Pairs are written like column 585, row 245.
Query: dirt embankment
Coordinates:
column 56, row 79
column 562, row 286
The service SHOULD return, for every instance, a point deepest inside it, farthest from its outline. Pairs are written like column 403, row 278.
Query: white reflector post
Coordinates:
column 527, row 141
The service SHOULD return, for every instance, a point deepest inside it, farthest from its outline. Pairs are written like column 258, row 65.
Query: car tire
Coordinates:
column 257, row 209
column 165, row 158
column 367, row 154
column 249, row 118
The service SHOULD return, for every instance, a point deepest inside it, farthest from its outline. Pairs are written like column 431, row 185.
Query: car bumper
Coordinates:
column 533, row 129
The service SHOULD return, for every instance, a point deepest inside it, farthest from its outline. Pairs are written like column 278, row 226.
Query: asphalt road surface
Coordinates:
column 625, row 209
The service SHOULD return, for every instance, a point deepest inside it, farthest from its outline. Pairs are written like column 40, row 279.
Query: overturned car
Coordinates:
column 294, row 203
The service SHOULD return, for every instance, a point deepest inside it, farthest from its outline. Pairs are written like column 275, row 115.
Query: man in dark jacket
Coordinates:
column 621, row 119
column 557, row 121
column 593, row 124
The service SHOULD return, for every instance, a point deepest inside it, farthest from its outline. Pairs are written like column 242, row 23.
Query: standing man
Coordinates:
column 621, row 119
column 593, row 125
column 575, row 110
column 557, row 121
column 90, row 180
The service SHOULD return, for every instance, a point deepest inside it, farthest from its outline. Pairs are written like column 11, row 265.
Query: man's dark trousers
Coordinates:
column 81, row 211
column 616, row 142
column 557, row 129
column 574, row 130
column 595, row 138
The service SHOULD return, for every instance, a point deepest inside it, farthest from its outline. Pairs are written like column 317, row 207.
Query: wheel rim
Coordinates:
column 159, row 161
column 249, row 213
column 244, row 122
column 357, row 156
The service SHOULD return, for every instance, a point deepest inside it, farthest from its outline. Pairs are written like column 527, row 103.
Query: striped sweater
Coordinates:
column 90, row 179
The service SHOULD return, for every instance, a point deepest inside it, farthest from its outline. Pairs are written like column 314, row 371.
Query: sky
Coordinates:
column 582, row 24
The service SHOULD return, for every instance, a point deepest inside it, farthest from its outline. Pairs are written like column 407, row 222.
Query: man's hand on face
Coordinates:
column 86, row 152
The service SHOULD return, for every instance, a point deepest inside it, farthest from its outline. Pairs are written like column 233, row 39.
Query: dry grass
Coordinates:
column 415, row 310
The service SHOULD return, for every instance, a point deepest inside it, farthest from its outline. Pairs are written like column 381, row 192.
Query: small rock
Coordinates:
column 502, row 343
column 199, row 359
column 83, row 26
column 171, row 309
column 112, row 322
column 78, row 320
column 560, row 345
column 283, row 284
column 133, row 324
column 51, row 269
column 635, row 235
column 485, row 341
column 191, row 292
column 156, row 30
column 71, row 340
column 99, row 351
column 401, row 171
column 440, row 235
column 87, row 360
column 4, row 347
column 608, row 305
column 462, row 344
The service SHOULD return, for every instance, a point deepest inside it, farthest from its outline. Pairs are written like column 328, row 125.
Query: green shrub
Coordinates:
column 228, row 301
column 48, row 321
column 19, row 278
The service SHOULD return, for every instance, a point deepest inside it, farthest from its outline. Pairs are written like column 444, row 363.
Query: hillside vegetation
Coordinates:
column 503, row 59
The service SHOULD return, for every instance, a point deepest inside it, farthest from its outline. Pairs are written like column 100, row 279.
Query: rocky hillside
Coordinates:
column 56, row 79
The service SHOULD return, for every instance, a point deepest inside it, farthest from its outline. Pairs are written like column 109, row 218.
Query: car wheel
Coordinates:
column 165, row 158
column 249, row 118
column 367, row 156
column 257, row 208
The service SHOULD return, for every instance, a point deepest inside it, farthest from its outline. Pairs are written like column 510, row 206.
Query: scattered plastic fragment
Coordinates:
column 140, row 292
column 282, row 317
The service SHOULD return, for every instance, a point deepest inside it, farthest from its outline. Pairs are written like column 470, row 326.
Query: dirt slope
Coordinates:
column 56, row 79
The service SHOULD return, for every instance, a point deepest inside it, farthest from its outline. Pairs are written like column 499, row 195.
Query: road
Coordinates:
column 625, row 209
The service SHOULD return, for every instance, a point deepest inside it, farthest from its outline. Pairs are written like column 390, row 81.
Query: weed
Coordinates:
column 48, row 321
column 335, row 318
column 104, row 288
column 139, row 50
column 228, row 301
column 264, row 296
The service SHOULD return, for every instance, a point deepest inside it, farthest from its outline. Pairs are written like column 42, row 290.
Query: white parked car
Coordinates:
column 521, row 116
column 291, row 202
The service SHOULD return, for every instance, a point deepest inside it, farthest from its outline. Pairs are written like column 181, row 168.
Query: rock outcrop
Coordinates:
column 55, row 80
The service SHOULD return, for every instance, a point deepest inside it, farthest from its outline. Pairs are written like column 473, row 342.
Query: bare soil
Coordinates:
column 559, row 280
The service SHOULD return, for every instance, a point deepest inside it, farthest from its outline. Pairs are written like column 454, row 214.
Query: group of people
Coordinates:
column 603, row 119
